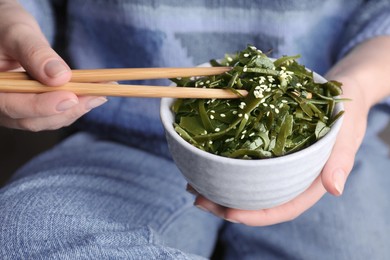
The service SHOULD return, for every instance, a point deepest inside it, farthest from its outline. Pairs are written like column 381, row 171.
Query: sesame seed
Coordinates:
column 240, row 115
column 276, row 111
column 265, row 104
column 234, row 112
column 271, row 106
column 210, row 142
column 211, row 117
column 229, row 140
column 222, row 115
column 246, row 116
column 212, row 111
column 217, row 129
column 229, row 59
column 246, row 55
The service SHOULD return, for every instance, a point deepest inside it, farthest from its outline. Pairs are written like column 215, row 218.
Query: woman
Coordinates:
column 111, row 191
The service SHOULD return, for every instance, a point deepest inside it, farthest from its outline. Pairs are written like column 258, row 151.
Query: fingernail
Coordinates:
column 231, row 220
column 95, row 102
column 55, row 68
column 66, row 104
column 202, row 208
column 191, row 190
column 339, row 180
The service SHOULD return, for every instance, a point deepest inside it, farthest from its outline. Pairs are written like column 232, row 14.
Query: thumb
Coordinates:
column 341, row 160
column 25, row 43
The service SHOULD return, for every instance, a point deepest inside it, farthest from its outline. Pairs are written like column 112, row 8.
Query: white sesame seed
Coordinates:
column 229, row 59
column 243, row 136
column 265, row 104
column 267, row 113
column 217, row 129
column 211, row 117
column 240, row 115
column 246, row 116
column 244, row 69
column 234, row 112
column 271, row 106
column 244, row 132
column 246, row 55
column 276, row 111
column 210, row 142
column 212, row 111
column 222, row 115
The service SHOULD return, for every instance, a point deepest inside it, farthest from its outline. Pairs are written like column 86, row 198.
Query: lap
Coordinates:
column 94, row 198
column 99, row 199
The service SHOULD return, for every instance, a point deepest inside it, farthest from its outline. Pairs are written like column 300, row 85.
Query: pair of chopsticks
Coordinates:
column 85, row 82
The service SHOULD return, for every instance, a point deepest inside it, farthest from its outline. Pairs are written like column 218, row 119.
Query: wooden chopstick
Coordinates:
column 106, row 89
column 101, row 75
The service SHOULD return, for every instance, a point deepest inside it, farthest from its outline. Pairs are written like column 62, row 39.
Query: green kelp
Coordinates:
column 284, row 111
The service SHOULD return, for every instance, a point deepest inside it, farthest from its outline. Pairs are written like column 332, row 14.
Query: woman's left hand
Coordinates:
column 331, row 179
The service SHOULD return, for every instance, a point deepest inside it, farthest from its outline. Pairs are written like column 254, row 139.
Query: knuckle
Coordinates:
column 7, row 110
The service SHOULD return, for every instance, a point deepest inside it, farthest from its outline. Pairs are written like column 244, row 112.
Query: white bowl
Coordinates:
column 248, row 184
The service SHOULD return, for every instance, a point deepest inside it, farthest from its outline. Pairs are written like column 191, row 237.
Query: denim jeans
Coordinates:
column 90, row 198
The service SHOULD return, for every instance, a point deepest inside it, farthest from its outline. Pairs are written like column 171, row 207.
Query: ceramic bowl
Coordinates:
column 248, row 184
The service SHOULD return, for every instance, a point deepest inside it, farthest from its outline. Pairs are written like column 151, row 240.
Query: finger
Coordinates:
column 208, row 206
column 16, row 106
column 191, row 190
column 341, row 160
column 59, row 120
column 279, row 214
column 23, row 41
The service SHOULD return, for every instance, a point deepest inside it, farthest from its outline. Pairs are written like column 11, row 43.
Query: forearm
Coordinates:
column 367, row 68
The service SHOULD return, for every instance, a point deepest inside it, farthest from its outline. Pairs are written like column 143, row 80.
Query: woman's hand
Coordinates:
column 332, row 177
column 23, row 45
column 363, row 73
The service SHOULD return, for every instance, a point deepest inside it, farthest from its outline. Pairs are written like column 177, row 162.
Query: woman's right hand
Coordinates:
column 23, row 46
